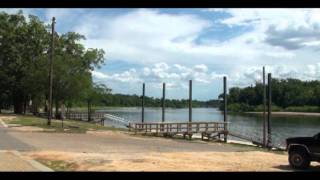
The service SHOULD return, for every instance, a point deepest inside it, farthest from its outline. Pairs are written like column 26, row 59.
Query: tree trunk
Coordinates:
column 17, row 107
column 89, row 111
column 63, row 110
column 57, row 110
column 45, row 105
column 35, row 107
column 24, row 106
column 17, row 103
column 68, row 111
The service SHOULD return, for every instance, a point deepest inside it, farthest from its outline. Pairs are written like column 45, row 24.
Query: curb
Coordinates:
column 3, row 124
column 34, row 163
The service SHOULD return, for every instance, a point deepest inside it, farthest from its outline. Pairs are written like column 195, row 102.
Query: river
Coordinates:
column 282, row 126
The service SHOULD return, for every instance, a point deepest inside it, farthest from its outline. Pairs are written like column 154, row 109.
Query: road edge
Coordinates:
column 34, row 163
column 3, row 123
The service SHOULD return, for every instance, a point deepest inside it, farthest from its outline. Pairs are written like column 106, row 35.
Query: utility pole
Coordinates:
column 51, row 72
column 264, row 106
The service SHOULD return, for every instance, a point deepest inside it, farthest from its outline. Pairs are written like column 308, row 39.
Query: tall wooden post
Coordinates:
column 142, row 103
column 225, row 106
column 269, row 108
column 190, row 100
column 163, row 101
column 264, row 106
column 51, row 72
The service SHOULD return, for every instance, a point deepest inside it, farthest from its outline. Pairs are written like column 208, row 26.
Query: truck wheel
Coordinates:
column 299, row 159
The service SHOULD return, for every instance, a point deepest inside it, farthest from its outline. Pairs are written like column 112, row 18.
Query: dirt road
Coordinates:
column 116, row 151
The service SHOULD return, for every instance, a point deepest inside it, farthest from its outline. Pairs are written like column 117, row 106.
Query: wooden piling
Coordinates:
column 190, row 100
column 163, row 101
column 264, row 106
column 225, row 106
column 269, row 109
column 142, row 103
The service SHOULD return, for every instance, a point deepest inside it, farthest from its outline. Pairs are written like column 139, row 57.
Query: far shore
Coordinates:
column 289, row 113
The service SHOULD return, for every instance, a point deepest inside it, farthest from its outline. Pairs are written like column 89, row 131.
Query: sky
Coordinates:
column 203, row 45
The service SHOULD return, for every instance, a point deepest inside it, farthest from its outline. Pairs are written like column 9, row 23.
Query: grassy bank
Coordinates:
column 58, row 165
column 69, row 126
column 242, row 107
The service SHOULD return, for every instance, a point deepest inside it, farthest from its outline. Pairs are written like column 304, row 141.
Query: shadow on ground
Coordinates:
column 288, row 168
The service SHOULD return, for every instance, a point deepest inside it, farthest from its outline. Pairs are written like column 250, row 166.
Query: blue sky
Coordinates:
column 175, row 45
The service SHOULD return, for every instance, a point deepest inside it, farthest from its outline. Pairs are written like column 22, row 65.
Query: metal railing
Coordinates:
column 180, row 128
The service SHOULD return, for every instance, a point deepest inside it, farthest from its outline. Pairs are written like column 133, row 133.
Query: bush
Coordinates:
column 240, row 107
column 276, row 108
column 303, row 109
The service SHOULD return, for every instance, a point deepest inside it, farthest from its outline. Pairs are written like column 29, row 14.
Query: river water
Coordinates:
column 282, row 127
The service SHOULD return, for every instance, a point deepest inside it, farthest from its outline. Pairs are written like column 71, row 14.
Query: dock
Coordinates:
column 170, row 129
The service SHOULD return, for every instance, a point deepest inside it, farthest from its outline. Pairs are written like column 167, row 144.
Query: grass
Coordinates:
column 58, row 165
column 69, row 126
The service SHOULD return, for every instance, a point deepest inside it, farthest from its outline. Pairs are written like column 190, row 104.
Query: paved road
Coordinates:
column 115, row 142
column 11, row 139
column 10, row 161
column 8, row 142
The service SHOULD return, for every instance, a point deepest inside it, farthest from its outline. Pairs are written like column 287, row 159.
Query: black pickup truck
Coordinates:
column 303, row 150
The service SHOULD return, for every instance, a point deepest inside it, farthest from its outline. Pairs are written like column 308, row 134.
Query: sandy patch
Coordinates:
column 104, row 133
column 27, row 128
column 7, row 118
column 171, row 161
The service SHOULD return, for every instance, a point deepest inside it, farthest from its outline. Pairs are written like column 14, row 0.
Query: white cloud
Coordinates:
column 130, row 76
column 99, row 75
column 286, row 41
column 175, row 75
column 148, row 36
column 201, row 68
column 143, row 35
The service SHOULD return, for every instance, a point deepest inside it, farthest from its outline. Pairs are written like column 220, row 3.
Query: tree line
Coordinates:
column 24, row 53
column 122, row 100
column 287, row 94
column 24, row 70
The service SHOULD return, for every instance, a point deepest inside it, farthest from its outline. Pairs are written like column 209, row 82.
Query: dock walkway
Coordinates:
column 206, row 129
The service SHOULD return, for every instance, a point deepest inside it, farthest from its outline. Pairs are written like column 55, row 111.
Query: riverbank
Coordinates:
column 29, row 122
column 288, row 113
column 107, row 150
